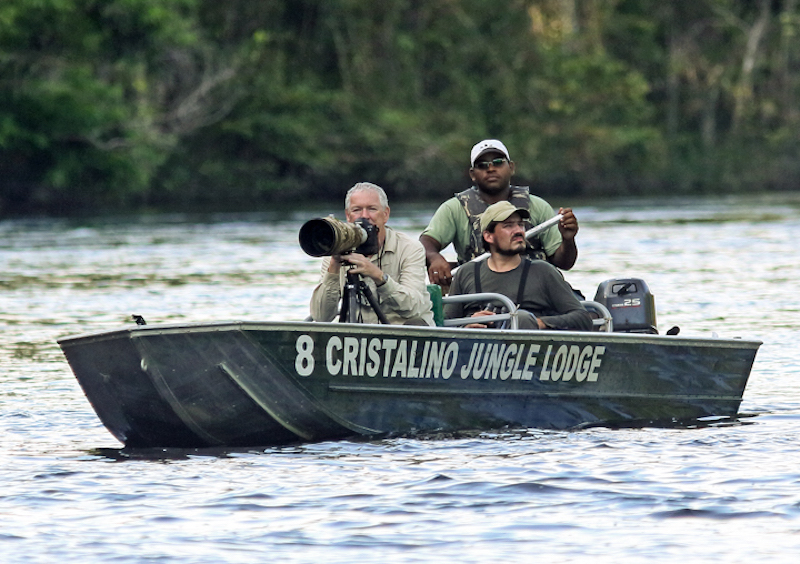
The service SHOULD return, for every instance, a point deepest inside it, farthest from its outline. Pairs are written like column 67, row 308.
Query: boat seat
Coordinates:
column 437, row 306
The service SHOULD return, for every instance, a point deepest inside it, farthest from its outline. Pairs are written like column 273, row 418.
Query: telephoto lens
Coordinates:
column 326, row 236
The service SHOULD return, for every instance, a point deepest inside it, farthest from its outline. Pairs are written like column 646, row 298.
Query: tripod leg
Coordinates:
column 350, row 308
column 373, row 302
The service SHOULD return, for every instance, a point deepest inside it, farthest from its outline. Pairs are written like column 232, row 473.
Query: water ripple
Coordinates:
column 716, row 491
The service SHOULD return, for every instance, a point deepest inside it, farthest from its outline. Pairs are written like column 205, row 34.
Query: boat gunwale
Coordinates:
column 140, row 331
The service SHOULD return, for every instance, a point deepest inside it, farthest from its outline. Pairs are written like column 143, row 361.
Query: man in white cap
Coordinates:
column 457, row 220
column 544, row 298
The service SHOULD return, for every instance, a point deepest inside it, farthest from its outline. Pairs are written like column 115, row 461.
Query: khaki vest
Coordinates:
column 474, row 207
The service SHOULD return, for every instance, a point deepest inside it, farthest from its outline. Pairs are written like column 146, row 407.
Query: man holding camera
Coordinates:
column 544, row 298
column 395, row 275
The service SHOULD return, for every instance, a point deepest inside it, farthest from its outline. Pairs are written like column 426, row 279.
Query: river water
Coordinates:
column 719, row 492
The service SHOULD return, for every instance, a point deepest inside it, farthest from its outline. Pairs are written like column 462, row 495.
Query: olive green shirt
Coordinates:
column 450, row 225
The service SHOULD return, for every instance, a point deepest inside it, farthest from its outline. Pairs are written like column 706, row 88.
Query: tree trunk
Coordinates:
column 744, row 91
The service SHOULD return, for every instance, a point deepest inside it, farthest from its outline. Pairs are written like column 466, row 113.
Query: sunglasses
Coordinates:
column 484, row 165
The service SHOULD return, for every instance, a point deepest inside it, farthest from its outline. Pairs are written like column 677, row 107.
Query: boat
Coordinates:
column 252, row 384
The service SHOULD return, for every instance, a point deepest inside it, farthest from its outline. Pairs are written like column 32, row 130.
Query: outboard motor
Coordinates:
column 631, row 304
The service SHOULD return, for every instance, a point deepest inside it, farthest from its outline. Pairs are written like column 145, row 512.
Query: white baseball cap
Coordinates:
column 486, row 146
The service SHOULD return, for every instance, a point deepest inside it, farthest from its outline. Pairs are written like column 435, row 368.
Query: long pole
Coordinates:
column 529, row 234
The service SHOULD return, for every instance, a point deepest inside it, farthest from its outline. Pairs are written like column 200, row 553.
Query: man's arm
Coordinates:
column 440, row 232
column 567, row 253
column 405, row 292
column 326, row 296
column 571, row 314
column 438, row 266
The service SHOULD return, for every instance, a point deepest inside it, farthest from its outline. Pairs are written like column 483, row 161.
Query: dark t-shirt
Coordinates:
column 547, row 295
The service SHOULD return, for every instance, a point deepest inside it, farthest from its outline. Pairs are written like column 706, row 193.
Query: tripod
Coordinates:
column 351, row 307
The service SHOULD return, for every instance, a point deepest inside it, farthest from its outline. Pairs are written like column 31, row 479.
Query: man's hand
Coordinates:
column 567, row 253
column 439, row 271
column 481, row 313
column 336, row 264
column 438, row 267
column 359, row 265
column 568, row 226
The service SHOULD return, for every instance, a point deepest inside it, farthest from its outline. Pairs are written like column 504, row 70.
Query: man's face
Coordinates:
column 494, row 177
column 508, row 237
column 366, row 204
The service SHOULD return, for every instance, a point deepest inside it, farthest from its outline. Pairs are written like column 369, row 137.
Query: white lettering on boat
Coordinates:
column 304, row 361
column 333, row 364
column 500, row 360
column 430, row 359
column 571, row 360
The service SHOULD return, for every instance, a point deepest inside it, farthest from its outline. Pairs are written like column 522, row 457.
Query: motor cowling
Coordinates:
column 630, row 303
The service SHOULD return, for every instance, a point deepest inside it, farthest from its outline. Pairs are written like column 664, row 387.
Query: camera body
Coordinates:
column 327, row 236
column 370, row 244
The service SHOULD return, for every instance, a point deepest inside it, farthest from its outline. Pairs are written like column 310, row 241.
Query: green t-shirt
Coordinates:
column 450, row 225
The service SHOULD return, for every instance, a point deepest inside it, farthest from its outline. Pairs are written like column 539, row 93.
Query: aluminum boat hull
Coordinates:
column 242, row 384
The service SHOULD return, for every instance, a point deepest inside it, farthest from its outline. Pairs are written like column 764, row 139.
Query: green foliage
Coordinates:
column 86, row 95
column 114, row 103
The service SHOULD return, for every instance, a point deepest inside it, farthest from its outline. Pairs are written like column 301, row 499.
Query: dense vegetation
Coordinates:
column 130, row 103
